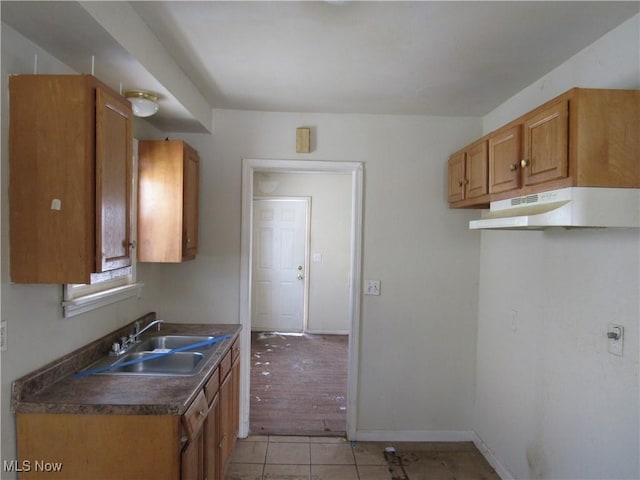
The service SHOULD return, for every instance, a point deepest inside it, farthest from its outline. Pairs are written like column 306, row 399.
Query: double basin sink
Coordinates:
column 151, row 356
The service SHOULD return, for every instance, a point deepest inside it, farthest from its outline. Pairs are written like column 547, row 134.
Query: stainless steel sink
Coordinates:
column 172, row 342
column 152, row 357
column 179, row 363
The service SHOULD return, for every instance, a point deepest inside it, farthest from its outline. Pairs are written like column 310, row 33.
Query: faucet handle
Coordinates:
column 115, row 349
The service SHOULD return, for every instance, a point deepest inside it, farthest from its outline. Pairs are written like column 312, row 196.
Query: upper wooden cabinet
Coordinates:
column 505, row 154
column 583, row 138
column 70, row 166
column 167, row 201
column 468, row 174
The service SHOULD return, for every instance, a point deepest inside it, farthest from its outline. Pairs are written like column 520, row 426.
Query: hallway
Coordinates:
column 298, row 384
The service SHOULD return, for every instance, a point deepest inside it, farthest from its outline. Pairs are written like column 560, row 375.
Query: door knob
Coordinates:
column 524, row 163
column 300, row 276
column 299, row 267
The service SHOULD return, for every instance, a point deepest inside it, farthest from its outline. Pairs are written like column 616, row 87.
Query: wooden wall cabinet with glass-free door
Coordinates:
column 467, row 170
column 583, row 138
column 70, row 167
column 168, row 189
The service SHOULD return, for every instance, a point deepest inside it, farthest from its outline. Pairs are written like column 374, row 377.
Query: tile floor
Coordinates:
column 332, row 458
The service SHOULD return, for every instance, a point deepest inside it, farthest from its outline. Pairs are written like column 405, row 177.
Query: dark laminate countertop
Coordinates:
column 53, row 388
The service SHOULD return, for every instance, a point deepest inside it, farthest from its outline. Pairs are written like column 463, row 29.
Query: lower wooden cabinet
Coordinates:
column 195, row 446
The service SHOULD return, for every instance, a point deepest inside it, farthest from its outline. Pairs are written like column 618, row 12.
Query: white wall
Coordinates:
column 330, row 236
column 550, row 401
column 418, row 338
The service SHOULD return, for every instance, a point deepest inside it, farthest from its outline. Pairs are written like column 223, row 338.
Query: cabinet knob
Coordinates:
column 524, row 163
column 513, row 167
column 224, row 438
column 202, row 413
column 460, row 183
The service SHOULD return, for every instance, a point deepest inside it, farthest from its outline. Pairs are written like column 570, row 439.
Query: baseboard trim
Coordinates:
column 500, row 469
column 415, row 436
column 327, row 332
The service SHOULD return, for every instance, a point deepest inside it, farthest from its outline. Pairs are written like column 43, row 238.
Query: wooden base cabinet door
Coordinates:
column 211, row 470
column 193, row 459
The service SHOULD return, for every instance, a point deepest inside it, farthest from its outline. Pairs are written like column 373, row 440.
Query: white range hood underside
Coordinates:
column 572, row 207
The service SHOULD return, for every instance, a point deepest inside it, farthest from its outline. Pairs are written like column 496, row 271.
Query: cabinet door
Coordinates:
column 456, row 177
column 546, row 145
column 211, row 427
column 192, row 459
column 114, row 158
column 225, row 425
column 476, row 167
column 235, row 396
column 504, row 159
column 190, row 203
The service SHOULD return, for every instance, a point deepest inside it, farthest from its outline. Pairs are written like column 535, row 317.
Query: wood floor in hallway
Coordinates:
column 298, row 384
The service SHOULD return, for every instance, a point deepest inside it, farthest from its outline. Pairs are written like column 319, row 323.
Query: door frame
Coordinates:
column 356, row 169
column 307, row 241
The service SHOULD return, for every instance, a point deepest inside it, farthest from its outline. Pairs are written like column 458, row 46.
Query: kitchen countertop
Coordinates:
column 53, row 388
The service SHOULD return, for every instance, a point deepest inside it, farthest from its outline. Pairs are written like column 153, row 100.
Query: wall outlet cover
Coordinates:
column 372, row 287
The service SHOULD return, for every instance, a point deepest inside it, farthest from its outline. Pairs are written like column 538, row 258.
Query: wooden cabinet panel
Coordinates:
column 64, row 213
column 477, row 169
column 106, row 447
column 168, row 190
column 582, row 138
column 505, row 154
column 225, row 426
column 456, row 177
column 190, row 206
column 192, row 459
column 468, row 174
column 114, row 158
column 546, row 145
column 211, row 440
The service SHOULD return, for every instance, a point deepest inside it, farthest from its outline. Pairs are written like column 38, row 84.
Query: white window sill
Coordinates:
column 100, row 299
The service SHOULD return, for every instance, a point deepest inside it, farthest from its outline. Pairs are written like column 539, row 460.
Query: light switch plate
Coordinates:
column 372, row 287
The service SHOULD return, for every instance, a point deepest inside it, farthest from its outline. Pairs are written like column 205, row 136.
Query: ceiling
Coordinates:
column 432, row 58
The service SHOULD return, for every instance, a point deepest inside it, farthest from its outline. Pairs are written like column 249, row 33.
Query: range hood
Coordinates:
column 572, row 207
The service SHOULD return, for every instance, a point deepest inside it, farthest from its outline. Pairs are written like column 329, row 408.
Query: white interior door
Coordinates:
column 279, row 264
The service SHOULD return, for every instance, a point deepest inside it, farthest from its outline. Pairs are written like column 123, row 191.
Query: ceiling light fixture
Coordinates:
column 144, row 103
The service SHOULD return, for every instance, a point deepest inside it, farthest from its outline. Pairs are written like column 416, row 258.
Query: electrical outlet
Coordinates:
column 615, row 336
column 3, row 336
column 372, row 287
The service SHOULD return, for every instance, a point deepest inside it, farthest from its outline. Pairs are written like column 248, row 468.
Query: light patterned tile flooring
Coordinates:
column 332, row 458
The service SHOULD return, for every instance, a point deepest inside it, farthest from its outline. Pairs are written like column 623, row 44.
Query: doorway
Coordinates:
column 355, row 170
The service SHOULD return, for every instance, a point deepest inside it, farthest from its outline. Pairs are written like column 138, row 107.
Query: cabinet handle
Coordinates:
column 513, row 167
column 224, row 437
column 202, row 413
column 524, row 163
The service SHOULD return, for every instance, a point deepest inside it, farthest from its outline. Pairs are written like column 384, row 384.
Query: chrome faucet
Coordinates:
column 139, row 332
column 118, row 348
